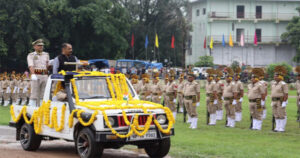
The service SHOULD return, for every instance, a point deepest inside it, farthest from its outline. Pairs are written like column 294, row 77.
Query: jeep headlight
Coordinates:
column 161, row 119
column 111, row 120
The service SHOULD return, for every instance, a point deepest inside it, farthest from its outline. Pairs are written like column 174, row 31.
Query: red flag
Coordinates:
column 173, row 42
column 255, row 39
column 204, row 46
column 132, row 40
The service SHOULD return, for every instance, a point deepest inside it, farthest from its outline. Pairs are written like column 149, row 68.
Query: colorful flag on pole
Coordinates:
column 211, row 45
column 156, row 41
column 204, row 46
column 242, row 40
column 146, row 41
column 132, row 40
column 255, row 39
column 173, row 42
column 230, row 41
column 223, row 41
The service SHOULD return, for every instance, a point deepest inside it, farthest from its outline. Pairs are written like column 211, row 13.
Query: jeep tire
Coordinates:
column 29, row 140
column 86, row 145
column 159, row 149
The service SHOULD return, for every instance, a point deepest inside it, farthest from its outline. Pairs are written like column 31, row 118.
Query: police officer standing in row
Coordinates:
column 297, row 85
column 191, row 92
column 256, row 96
column 279, row 94
column 240, row 94
column 211, row 98
column 38, row 65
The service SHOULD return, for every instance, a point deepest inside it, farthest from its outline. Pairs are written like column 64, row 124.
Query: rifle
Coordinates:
column 178, row 106
column 207, row 116
column 273, row 123
column 226, row 120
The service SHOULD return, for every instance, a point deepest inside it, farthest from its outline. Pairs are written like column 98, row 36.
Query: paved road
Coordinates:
column 9, row 148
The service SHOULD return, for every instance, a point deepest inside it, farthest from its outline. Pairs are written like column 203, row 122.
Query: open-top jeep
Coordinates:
column 99, row 111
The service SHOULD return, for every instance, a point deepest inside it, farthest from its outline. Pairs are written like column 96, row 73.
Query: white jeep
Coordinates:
column 100, row 111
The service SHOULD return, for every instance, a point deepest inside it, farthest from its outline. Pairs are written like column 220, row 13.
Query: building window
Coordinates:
column 203, row 11
column 198, row 12
column 258, row 12
column 239, row 32
column 258, row 34
column 240, row 11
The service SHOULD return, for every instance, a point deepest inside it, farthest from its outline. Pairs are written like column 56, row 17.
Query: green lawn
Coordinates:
column 218, row 141
column 4, row 115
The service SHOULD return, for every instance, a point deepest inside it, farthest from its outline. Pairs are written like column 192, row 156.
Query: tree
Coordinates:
column 205, row 61
column 292, row 36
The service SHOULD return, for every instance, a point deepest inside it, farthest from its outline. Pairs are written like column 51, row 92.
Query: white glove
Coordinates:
column 33, row 77
column 8, row 90
column 159, row 97
column 148, row 97
column 215, row 101
column 272, row 104
column 222, row 98
column 234, row 102
column 241, row 99
column 198, row 104
column 25, row 90
column 262, row 103
column 15, row 89
column 284, row 104
column 174, row 100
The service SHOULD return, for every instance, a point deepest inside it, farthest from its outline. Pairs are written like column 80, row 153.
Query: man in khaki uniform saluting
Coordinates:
column 240, row 94
column 171, row 94
column 230, row 95
column 279, row 95
column 156, row 89
column 211, row 97
column 297, row 84
column 256, row 96
column 219, row 90
column 180, row 92
column 191, row 92
column 38, row 65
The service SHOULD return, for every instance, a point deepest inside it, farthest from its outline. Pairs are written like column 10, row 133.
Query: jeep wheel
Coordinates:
column 86, row 145
column 30, row 141
column 159, row 149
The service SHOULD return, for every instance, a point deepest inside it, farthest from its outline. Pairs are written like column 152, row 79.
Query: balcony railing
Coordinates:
column 247, row 39
column 250, row 16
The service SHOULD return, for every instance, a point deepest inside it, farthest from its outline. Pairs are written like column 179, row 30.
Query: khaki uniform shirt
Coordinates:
column 156, row 88
column 191, row 88
column 180, row 87
column 1, row 87
column 210, row 87
column 279, row 89
column 144, row 88
column 13, row 84
column 255, row 90
column 171, row 87
column 219, row 87
column 297, row 85
column 239, row 87
column 38, row 60
column 5, row 84
column 229, row 89
column 136, row 87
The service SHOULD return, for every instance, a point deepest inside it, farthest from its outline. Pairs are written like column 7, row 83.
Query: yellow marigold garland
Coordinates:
column 92, row 119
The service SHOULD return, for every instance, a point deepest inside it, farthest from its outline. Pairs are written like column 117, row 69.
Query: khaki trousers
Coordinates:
column 298, row 106
column 6, row 96
column 180, row 100
column 191, row 107
column 38, row 87
column 255, row 111
column 279, row 112
column 230, row 109
column 220, row 102
column 238, row 106
column 169, row 102
column 210, row 106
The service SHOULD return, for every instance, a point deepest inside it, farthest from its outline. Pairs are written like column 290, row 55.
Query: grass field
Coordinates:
column 220, row 142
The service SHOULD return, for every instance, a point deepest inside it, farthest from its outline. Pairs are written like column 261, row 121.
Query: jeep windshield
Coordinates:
column 94, row 88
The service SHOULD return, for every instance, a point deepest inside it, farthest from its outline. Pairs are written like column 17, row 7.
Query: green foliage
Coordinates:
column 95, row 28
column 271, row 67
column 292, row 36
column 205, row 61
column 235, row 64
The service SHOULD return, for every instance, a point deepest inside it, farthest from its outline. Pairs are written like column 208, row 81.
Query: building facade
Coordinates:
column 218, row 19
